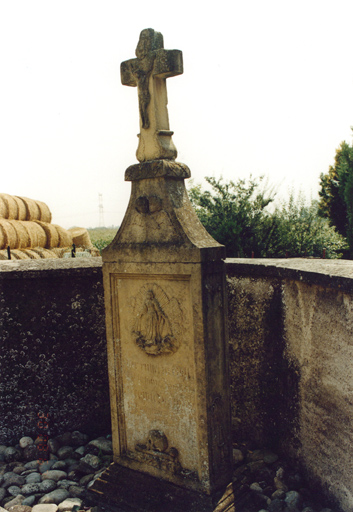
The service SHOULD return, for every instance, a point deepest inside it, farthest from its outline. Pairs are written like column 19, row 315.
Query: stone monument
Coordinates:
column 164, row 287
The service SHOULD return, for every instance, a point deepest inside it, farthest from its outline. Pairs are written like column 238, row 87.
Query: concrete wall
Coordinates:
column 291, row 353
column 291, row 339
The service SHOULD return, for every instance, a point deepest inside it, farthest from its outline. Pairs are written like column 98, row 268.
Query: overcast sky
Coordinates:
column 267, row 89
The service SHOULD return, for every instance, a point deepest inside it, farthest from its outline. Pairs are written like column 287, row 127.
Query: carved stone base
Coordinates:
column 120, row 489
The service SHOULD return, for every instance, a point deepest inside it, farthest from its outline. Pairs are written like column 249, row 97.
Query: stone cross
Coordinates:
column 149, row 71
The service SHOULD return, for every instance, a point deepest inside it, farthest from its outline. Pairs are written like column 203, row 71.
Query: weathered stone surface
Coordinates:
column 165, row 312
column 65, row 452
column 148, row 72
column 13, row 479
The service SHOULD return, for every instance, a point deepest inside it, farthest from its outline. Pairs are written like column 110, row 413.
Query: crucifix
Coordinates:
column 149, row 71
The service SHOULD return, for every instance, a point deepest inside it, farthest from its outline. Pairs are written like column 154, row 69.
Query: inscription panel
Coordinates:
column 157, row 368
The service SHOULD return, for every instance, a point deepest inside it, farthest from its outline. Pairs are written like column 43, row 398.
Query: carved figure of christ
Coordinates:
column 148, row 72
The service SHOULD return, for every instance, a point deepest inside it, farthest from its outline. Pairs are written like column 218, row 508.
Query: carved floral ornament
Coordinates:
column 157, row 329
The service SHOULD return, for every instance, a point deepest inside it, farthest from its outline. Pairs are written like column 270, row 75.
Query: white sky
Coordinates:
column 267, row 89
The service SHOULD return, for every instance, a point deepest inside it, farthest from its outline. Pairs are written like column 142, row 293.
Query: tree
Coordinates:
column 234, row 214
column 331, row 205
column 336, row 193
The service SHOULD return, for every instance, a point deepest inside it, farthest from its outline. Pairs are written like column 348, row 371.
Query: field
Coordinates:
column 101, row 237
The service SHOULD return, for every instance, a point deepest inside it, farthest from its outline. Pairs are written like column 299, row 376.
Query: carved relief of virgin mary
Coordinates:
column 153, row 330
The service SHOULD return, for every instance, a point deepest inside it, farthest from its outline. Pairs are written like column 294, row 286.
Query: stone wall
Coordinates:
column 52, row 347
column 291, row 347
column 291, row 341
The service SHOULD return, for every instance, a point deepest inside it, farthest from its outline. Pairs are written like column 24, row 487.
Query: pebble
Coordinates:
column 54, row 474
column 45, row 508
column 25, row 441
column 56, row 496
column 59, row 484
column 69, row 503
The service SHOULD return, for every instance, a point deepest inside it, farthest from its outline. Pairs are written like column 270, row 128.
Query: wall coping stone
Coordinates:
column 335, row 273
column 34, row 269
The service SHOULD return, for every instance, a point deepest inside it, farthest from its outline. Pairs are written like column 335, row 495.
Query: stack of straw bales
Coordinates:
column 26, row 229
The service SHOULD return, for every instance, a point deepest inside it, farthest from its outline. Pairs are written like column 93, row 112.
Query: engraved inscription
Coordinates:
column 157, row 327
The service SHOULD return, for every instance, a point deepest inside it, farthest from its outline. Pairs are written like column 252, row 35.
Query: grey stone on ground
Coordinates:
column 16, row 501
column 2, row 493
column 59, row 464
column 47, row 486
column 65, row 484
column 103, row 445
column 46, row 466
column 278, row 494
column 54, row 445
column 86, row 479
column 19, row 470
column 14, row 490
column 33, row 478
column 54, row 474
column 2, row 452
column 78, row 438
column 76, row 491
column 29, row 500
column 25, row 441
column 56, row 496
column 33, row 464
column 91, row 460
column 65, row 452
column 21, row 508
column 68, row 504
column 30, row 488
column 13, row 479
column 48, row 507
column 30, row 452
column 12, row 454
column 293, row 501
column 80, row 451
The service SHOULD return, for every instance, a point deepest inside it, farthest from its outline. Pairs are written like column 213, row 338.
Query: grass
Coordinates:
column 101, row 237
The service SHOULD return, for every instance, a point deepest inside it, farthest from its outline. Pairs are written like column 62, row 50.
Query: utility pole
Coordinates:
column 101, row 211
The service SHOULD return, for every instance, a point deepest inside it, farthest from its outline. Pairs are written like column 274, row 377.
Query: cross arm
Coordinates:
column 168, row 63
column 128, row 72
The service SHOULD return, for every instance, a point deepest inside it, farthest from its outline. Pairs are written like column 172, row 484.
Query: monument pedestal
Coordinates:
column 164, row 287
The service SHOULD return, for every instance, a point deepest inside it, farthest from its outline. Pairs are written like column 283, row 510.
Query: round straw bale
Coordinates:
column 25, row 236
column 45, row 213
column 51, row 233
column 45, row 253
column 3, row 238
column 22, row 211
column 18, row 254
column 22, row 233
column 31, row 253
column 32, row 209
column 37, row 234
column 10, row 234
column 3, row 207
column 11, row 205
column 65, row 238
column 80, row 237
column 59, row 251
column 3, row 255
